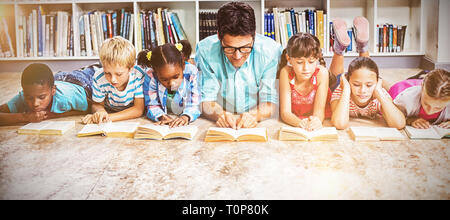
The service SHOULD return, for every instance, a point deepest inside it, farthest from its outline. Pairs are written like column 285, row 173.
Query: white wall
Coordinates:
column 444, row 32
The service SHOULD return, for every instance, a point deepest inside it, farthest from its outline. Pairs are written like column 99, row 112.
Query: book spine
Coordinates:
column 131, row 25
column 177, row 26
column 122, row 22
column 177, row 20
column 350, row 35
column 47, row 39
column 385, row 47
column 403, row 37
column 390, row 37
column 82, row 37
column 39, row 20
column 105, row 26
column 87, row 35
column 110, row 28
column 320, row 28
column 293, row 22
column 114, row 23
column 93, row 34
column 52, row 36
column 394, row 38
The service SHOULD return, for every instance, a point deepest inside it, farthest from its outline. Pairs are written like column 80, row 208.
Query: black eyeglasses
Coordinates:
column 232, row 50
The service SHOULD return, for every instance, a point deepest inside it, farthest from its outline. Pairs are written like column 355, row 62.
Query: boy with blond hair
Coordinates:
column 117, row 87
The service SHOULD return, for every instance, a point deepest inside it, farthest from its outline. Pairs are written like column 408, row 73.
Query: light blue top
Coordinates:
column 238, row 90
column 68, row 97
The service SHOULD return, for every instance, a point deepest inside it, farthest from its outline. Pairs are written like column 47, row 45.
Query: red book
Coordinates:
column 109, row 25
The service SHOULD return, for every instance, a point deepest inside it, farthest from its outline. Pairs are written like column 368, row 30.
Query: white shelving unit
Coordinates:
column 404, row 12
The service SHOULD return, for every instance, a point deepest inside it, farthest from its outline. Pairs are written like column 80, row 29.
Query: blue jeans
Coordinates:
column 82, row 77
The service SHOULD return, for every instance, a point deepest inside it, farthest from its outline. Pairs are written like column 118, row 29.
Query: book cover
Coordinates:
column 276, row 25
column 320, row 28
column 122, row 21
column 114, row 23
column 110, row 29
column 94, row 37
column 179, row 26
column 105, row 26
column 293, row 22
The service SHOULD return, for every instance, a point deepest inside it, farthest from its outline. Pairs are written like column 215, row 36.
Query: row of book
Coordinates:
column 281, row 24
column 97, row 26
column 214, row 134
column 6, row 47
column 157, row 27
column 208, row 23
column 391, row 38
column 42, row 34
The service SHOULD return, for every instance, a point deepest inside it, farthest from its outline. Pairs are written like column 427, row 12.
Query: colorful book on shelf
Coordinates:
column 215, row 134
column 293, row 21
column 433, row 133
column 164, row 132
column 375, row 134
column 82, row 36
column 178, row 26
column 110, row 129
column 47, row 128
column 299, row 134
column 320, row 33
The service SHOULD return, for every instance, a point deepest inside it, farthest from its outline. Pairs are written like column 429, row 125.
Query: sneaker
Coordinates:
column 340, row 36
column 361, row 33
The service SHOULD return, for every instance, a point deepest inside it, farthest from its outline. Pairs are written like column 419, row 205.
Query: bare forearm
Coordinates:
column 340, row 115
column 130, row 113
column 211, row 110
column 290, row 119
column 263, row 111
column 12, row 118
column 393, row 116
column 97, row 107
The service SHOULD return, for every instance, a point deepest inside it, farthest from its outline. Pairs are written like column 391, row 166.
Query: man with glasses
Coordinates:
column 238, row 70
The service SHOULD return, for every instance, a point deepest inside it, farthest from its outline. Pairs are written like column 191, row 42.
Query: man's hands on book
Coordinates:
column 228, row 120
column 173, row 122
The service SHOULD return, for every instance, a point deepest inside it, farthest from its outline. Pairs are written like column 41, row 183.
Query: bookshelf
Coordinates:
column 406, row 12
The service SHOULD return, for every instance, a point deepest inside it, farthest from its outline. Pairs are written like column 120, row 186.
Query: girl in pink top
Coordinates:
column 424, row 102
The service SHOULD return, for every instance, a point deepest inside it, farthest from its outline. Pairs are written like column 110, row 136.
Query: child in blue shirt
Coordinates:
column 43, row 98
column 171, row 86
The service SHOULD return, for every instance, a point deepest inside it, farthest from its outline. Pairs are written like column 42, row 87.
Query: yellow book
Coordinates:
column 116, row 129
column 163, row 132
column 319, row 29
column 434, row 132
column 375, row 134
column 47, row 128
column 300, row 134
column 161, row 27
column 215, row 134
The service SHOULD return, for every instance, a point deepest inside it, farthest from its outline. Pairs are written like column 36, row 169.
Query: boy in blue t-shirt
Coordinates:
column 43, row 98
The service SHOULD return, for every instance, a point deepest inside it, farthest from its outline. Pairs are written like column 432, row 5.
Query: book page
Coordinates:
column 161, row 129
column 35, row 126
column 297, row 131
column 189, row 129
column 229, row 131
column 61, row 126
column 415, row 133
column 389, row 133
column 92, row 129
column 443, row 132
column 121, row 127
column 323, row 132
column 251, row 131
column 363, row 132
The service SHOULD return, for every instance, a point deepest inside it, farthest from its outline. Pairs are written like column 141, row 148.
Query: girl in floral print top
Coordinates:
column 171, row 86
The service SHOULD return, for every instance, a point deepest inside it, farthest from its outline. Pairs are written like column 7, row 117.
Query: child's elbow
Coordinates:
column 339, row 124
column 399, row 124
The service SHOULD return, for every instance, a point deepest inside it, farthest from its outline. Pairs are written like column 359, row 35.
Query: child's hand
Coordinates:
column 445, row 125
column 314, row 123
column 304, row 123
column 179, row 121
column 378, row 89
column 164, row 119
column 100, row 117
column 36, row 116
column 226, row 120
column 420, row 123
column 87, row 119
column 247, row 120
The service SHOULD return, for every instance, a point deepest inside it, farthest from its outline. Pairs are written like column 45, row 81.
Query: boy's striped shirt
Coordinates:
column 116, row 100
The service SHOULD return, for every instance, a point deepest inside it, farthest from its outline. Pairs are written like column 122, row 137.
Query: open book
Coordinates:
column 160, row 132
column 215, row 134
column 434, row 132
column 300, row 134
column 47, row 127
column 110, row 129
column 375, row 134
